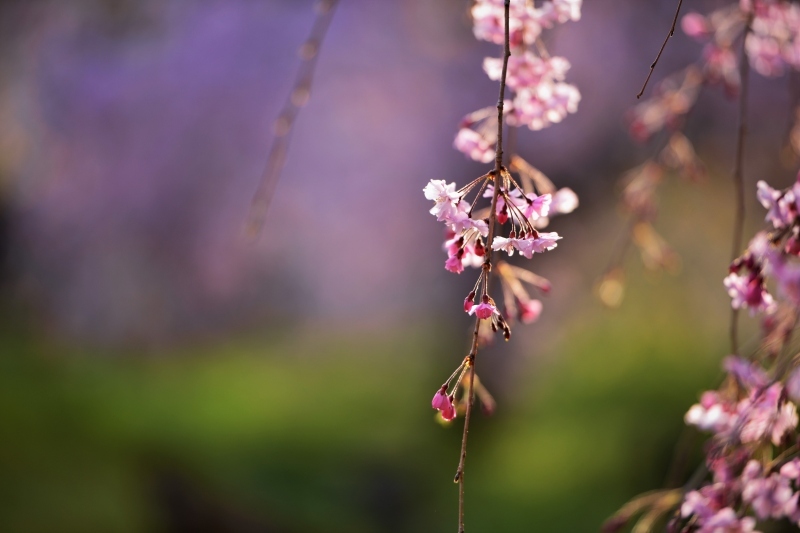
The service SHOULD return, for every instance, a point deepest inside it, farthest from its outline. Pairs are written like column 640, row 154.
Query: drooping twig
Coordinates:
column 661, row 50
column 738, row 173
column 487, row 266
column 298, row 97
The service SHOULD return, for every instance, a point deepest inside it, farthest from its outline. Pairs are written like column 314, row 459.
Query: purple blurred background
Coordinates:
column 134, row 134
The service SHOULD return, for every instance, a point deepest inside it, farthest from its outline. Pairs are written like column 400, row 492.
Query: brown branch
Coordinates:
column 487, row 267
column 738, row 173
column 298, row 97
column 661, row 50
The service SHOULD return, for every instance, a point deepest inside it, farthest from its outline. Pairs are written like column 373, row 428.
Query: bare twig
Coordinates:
column 738, row 173
column 661, row 50
column 487, row 267
column 298, row 97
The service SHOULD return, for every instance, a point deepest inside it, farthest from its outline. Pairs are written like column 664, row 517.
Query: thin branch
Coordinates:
column 298, row 97
column 738, row 173
column 487, row 267
column 663, row 45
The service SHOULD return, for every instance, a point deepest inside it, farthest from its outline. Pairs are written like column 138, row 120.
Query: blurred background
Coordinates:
column 158, row 372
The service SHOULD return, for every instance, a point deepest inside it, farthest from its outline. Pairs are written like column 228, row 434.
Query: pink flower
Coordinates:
column 543, row 105
column 484, row 310
column 695, row 25
column 544, row 242
column 749, row 292
column 454, row 264
column 442, row 402
column 445, row 196
column 782, row 206
column 712, row 414
column 539, row 206
column 529, row 311
column 787, row 274
column 527, row 70
column 505, row 244
column 748, row 374
column 727, row 521
column 475, row 145
column 489, row 24
column 527, row 246
column 770, row 497
column 763, row 414
column 564, row 201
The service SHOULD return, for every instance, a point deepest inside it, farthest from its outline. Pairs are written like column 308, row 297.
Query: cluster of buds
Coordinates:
column 541, row 97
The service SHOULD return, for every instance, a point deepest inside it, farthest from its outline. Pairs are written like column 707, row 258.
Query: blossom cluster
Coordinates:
column 753, row 454
column 771, row 255
column 751, row 457
column 541, row 96
column 771, row 46
column 521, row 211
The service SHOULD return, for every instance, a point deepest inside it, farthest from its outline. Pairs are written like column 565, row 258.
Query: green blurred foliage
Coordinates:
column 330, row 429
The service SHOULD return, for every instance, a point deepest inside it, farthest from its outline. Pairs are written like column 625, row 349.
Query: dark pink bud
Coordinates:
column 468, row 303
column 502, row 216
column 442, row 402
column 793, row 245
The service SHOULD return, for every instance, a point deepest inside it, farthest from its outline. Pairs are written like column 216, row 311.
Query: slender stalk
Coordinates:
column 487, row 268
column 298, row 97
column 661, row 50
column 738, row 173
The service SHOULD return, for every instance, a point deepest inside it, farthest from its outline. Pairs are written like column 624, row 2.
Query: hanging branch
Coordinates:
column 487, row 267
column 298, row 98
column 738, row 174
column 661, row 50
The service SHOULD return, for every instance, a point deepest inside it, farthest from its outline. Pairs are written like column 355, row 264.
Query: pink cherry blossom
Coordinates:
column 749, row 292
column 445, row 196
column 454, row 264
column 544, row 242
column 488, row 19
column 770, row 497
column 539, row 206
column 475, row 145
column 727, row 521
column 712, row 414
column 695, row 25
column 763, row 415
column 543, row 105
column 529, row 311
column 505, row 244
column 782, row 206
column 484, row 310
column 747, row 373
column 564, row 201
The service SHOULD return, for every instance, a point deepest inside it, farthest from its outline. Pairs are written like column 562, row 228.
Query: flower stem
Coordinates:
column 487, row 267
column 738, row 173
